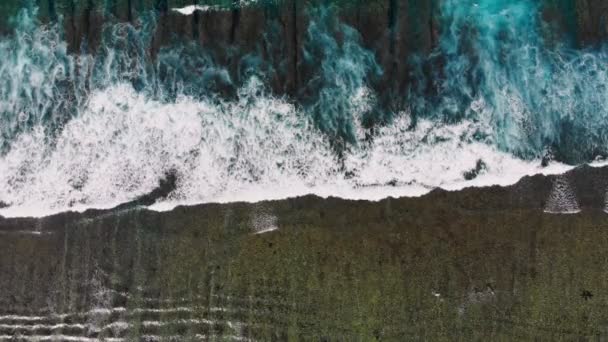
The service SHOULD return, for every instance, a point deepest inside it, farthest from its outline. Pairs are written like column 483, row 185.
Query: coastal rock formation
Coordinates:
column 473, row 263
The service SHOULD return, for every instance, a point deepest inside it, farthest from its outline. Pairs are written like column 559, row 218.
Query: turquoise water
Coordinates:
column 535, row 94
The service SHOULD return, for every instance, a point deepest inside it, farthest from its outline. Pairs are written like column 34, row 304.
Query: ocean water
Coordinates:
column 94, row 130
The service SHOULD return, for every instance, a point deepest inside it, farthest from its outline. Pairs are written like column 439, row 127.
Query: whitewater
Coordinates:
column 94, row 131
column 257, row 148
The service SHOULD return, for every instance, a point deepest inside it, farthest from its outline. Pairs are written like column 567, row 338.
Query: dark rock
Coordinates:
column 480, row 166
column 165, row 187
column 586, row 295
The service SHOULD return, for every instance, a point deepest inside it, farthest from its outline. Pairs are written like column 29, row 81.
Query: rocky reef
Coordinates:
column 481, row 263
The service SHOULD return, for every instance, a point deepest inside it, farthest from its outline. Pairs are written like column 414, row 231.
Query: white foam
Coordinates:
column 252, row 149
column 58, row 337
column 22, row 318
column 191, row 321
column 599, row 163
column 189, row 10
column 42, row 326
column 398, row 156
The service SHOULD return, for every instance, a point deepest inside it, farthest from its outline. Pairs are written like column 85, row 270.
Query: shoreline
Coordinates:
column 148, row 202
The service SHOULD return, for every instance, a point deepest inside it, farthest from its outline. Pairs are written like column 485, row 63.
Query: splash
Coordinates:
column 535, row 95
column 340, row 99
column 36, row 75
column 254, row 148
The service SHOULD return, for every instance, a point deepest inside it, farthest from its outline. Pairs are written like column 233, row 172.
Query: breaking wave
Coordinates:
column 94, row 130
